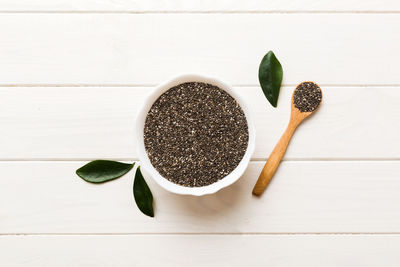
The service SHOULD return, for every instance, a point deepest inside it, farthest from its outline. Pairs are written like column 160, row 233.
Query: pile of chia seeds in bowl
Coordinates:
column 195, row 134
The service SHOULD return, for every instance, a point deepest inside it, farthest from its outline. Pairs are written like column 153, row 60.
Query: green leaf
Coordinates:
column 142, row 194
column 270, row 76
column 100, row 171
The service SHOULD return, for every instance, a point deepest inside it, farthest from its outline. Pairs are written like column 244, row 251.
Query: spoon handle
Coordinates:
column 274, row 159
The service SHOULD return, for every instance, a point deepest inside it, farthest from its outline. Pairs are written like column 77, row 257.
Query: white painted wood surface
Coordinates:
column 202, row 250
column 223, row 6
column 146, row 49
column 304, row 197
column 72, row 74
column 71, row 123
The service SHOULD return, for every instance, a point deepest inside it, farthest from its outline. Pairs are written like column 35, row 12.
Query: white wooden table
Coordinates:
column 73, row 73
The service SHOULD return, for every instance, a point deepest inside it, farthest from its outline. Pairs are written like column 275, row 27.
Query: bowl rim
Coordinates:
column 145, row 161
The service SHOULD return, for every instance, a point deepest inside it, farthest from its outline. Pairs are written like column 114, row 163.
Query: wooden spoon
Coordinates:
column 305, row 100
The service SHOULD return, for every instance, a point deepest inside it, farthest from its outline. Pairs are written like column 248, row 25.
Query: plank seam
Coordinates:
column 197, row 233
column 5, row 160
column 200, row 12
column 153, row 85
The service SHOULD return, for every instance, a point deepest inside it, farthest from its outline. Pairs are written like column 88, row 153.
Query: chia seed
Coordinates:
column 307, row 96
column 195, row 134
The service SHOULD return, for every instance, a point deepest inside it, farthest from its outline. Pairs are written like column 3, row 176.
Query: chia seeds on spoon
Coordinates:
column 307, row 96
column 195, row 134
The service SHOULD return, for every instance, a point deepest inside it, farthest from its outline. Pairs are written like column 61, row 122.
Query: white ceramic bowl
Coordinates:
column 145, row 161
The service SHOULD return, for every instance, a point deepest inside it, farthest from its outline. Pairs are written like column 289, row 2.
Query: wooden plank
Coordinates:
column 204, row 6
column 98, row 122
column 201, row 250
column 146, row 49
column 305, row 197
